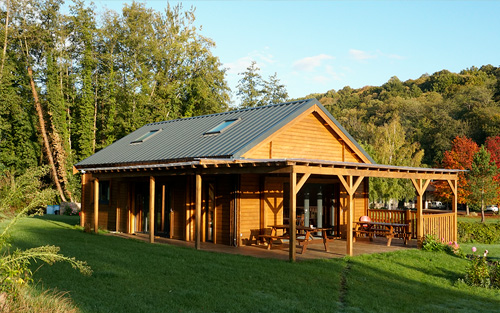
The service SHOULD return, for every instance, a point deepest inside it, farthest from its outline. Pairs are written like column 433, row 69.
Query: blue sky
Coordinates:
column 315, row 46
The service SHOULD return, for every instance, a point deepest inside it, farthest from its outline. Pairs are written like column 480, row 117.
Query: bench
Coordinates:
column 389, row 230
column 269, row 239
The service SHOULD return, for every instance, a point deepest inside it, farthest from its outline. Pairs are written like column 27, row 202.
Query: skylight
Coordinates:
column 146, row 136
column 222, row 126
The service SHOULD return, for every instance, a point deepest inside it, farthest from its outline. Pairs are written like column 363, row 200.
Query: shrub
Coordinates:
column 479, row 232
column 481, row 273
column 432, row 244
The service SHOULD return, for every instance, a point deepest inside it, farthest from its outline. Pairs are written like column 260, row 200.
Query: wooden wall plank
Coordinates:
column 302, row 140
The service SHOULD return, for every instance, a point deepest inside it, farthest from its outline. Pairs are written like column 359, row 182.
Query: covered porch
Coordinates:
column 294, row 175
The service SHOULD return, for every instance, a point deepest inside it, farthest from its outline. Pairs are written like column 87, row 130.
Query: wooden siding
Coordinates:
column 87, row 200
column 249, row 208
column 223, row 200
column 308, row 138
column 178, row 206
column 273, row 201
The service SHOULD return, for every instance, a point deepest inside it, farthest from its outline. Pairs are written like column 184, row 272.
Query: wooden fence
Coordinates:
column 438, row 224
column 441, row 225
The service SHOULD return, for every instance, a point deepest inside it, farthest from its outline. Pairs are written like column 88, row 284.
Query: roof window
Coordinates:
column 222, row 126
column 146, row 136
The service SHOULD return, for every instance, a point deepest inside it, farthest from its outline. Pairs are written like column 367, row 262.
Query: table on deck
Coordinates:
column 388, row 229
column 304, row 235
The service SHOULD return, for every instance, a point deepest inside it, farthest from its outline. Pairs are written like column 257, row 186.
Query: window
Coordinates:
column 146, row 136
column 222, row 126
column 104, row 192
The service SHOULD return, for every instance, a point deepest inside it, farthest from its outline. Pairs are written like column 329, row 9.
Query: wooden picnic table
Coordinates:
column 389, row 230
column 304, row 235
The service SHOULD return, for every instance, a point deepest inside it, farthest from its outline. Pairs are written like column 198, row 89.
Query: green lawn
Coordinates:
column 133, row 276
column 495, row 218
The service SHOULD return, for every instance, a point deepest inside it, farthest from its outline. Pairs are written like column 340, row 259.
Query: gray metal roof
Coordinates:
column 186, row 139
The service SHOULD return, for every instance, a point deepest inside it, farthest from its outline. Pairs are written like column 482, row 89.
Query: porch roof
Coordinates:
column 276, row 166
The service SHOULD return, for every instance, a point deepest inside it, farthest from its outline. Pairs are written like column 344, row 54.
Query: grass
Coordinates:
column 133, row 276
column 491, row 218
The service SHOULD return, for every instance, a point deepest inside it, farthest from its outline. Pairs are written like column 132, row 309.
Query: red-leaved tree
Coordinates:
column 459, row 157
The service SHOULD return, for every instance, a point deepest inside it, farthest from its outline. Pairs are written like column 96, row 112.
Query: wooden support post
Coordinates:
column 151, row 209
column 454, row 205
column 350, row 220
column 420, row 188
column 85, row 187
column 292, row 215
column 96, row 205
column 350, row 186
column 162, row 227
column 197, row 234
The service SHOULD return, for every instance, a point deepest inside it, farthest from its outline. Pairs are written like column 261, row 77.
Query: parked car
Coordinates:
column 492, row 208
column 437, row 205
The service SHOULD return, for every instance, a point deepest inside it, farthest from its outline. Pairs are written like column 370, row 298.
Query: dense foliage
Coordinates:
column 433, row 109
column 73, row 85
column 73, row 82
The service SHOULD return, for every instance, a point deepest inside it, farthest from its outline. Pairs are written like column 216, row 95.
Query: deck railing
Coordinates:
column 438, row 224
column 441, row 225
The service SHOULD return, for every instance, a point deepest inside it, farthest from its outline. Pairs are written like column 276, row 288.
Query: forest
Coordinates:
column 73, row 82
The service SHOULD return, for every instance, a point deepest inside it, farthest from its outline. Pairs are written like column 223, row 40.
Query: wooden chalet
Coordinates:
column 224, row 178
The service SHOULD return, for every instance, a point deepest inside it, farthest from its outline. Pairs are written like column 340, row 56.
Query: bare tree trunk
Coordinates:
column 5, row 40
column 467, row 209
column 46, row 144
column 95, row 117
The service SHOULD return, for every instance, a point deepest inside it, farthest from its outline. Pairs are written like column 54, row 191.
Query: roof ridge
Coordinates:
column 230, row 112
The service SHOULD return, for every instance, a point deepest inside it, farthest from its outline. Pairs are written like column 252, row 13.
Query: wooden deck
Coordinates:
column 337, row 248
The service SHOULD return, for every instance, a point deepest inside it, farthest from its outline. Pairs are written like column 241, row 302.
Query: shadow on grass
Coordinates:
column 133, row 276
column 413, row 281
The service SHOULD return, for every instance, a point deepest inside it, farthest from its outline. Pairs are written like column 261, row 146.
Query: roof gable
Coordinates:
column 191, row 138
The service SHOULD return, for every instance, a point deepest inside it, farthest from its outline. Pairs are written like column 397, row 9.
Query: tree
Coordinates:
column 250, row 86
column 492, row 144
column 274, row 92
column 254, row 91
column 482, row 187
column 391, row 147
column 460, row 157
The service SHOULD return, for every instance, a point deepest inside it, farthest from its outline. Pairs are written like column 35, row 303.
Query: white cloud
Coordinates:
column 309, row 64
column 263, row 58
column 360, row 55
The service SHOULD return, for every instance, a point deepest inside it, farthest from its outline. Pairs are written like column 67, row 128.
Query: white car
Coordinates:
column 493, row 208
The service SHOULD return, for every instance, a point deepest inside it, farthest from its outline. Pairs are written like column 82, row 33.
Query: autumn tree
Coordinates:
column 460, row 157
column 482, row 187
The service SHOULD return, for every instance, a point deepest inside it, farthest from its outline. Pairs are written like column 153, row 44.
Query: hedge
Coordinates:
column 479, row 232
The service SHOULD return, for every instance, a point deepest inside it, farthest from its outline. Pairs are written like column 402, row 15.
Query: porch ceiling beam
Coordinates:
column 373, row 173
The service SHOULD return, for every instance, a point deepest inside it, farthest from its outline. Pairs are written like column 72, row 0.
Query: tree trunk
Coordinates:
column 482, row 211
column 46, row 144
column 467, row 209
column 5, row 40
